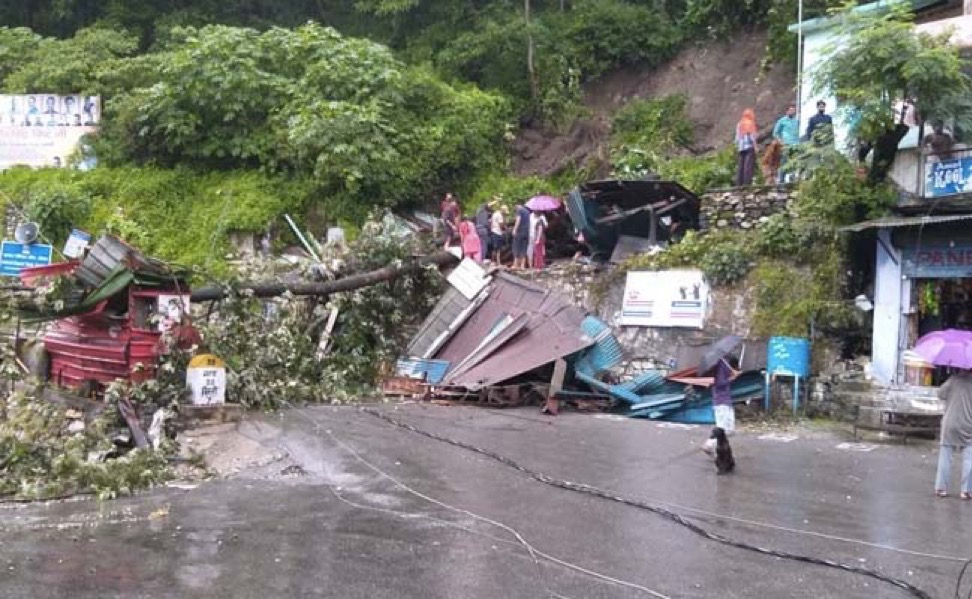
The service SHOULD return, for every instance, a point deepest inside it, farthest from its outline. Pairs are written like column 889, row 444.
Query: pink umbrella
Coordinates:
column 543, row 203
column 950, row 347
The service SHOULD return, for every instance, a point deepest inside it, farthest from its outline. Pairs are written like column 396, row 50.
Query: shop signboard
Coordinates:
column 948, row 177
column 670, row 298
column 937, row 261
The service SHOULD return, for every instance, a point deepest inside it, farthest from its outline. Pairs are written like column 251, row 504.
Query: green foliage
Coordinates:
column 835, row 194
column 17, row 46
column 657, row 123
column 882, row 59
column 791, row 298
column 308, row 100
column 41, row 458
column 725, row 257
column 583, row 42
column 653, row 136
column 178, row 215
column 600, row 35
column 56, row 210
column 271, row 347
column 781, row 43
column 515, row 189
column 719, row 17
column 72, row 65
column 701, row 173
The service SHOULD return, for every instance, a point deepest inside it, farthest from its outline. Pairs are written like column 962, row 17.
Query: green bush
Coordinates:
column 176, row 214
column 725, row 257
column 661, row 123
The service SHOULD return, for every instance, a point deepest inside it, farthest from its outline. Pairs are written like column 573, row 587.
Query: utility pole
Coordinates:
column 799, row 100
column 967, row 9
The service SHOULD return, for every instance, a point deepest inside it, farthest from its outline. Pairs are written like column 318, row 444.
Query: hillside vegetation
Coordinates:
column 222, row 116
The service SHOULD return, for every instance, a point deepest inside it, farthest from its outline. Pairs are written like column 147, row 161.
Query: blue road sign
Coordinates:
column 15, row 256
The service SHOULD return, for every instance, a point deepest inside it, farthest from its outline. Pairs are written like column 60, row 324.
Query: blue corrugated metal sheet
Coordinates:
column 605, row 354
column 615, row 391
column 431, row 370
column 649, row 381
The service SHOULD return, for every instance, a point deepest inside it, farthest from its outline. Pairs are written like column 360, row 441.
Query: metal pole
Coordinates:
column 799, row 102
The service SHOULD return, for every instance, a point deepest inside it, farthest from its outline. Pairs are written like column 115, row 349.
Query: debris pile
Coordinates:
column 619, row 219
column 109, row 313
column 500, row 340
column 51, row 450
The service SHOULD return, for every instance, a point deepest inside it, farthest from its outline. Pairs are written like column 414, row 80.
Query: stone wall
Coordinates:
column 600, row 290
column 743, row 207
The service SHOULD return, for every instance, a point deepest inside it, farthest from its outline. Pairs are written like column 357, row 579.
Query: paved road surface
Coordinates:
column 374, row 511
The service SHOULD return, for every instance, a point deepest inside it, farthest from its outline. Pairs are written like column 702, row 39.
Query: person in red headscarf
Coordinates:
column 746, row 131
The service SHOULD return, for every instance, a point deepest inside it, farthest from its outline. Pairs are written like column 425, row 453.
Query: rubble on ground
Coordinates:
column 497, row 339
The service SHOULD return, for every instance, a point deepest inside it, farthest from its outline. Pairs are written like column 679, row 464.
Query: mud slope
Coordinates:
column 720, row 79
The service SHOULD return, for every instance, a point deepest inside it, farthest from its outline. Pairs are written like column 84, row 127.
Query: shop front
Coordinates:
column 923, row 283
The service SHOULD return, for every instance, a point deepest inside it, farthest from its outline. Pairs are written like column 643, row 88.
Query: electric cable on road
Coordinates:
column 669, row 514
column 533, row 551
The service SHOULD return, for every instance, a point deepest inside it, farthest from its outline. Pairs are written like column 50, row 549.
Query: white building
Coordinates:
column 923, row 256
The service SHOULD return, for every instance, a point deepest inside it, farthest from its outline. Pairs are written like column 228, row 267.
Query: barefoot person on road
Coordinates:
column 956, row 432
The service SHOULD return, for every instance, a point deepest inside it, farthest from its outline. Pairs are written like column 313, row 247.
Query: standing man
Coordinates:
column 521, row 236
column 450, row 220
column 820, row 129
column 787, row 132
column 482, row 228
column 497, row 230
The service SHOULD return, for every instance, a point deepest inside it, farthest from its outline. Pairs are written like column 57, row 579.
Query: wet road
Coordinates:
column 382, row 512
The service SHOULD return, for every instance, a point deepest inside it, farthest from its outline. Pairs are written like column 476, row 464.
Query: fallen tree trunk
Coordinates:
column 349, row 283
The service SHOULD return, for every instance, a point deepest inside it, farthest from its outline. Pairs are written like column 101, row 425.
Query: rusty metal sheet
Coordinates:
column 403, row 385
column 552, row 330
column 445, row 312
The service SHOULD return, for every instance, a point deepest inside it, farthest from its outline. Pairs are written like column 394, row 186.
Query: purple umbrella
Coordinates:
column 543, row 203
column 950, row 347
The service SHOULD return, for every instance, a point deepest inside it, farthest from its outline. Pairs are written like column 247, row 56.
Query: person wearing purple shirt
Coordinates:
column 725, row 414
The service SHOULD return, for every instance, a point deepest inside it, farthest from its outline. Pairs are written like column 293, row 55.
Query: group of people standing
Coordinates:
column 486, row 236
column 785, row 140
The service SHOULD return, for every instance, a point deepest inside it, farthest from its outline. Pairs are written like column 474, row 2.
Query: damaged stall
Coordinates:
column 495, row 336
column 501, row 340
column 107, row 315
column 620, row 218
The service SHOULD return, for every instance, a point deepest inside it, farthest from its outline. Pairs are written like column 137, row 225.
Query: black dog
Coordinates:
column 724, row 461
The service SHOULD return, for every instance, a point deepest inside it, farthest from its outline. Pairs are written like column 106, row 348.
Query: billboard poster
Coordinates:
column 949, row 177
column 669, row 298
column 44, row 129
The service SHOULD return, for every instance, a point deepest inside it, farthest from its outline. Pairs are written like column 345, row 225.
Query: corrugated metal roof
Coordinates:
column 431, row 370
column 552, row 330
column 445, row 312
column 888, row 222
column 606, row 352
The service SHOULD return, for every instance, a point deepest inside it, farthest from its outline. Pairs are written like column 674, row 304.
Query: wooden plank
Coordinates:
column 557, row 380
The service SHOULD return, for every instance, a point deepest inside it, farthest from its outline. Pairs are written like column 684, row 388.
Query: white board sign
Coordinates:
column 667, row 298
column 76, row 243
column 206, row 379
column 469, row 278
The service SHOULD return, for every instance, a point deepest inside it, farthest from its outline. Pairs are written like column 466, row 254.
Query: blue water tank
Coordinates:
column 789, row 356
